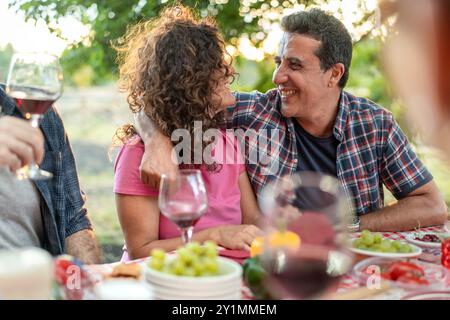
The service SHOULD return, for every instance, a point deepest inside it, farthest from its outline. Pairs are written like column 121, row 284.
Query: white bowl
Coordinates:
column 229, row 271
column 232, row 296
column 212, row 288
column 189, row 294
column 224, row 286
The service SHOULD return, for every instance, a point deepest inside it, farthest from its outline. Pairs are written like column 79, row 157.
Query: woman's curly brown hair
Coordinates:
column 171, row 66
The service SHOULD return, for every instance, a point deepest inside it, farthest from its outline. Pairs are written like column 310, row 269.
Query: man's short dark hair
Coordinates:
column 336, row 42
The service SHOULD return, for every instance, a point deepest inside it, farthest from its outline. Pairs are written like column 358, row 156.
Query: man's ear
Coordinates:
column 337, row 71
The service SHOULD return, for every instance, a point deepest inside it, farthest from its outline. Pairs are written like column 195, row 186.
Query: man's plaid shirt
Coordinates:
column 372, row 151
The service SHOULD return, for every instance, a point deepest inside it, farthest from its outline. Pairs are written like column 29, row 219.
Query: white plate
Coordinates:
column 434, row 245
column 417, row 251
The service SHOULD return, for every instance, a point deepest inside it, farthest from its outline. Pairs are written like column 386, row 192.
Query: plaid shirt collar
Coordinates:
column 341, row 118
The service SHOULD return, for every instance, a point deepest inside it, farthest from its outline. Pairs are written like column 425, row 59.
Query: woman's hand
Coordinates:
column 238, row 237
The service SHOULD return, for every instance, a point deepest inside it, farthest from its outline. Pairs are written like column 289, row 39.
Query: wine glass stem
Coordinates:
column 186, row 234
column 35, row 120
column 33, row 169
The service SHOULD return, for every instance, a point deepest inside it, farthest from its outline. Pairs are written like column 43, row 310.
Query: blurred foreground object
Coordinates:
column 26, row 274
column 417, row 60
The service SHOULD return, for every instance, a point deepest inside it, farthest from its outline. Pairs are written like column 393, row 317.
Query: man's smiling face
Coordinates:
column 302, row 83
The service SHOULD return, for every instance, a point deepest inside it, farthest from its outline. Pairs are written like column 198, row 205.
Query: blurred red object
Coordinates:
column 445, row 248
column 72, row 278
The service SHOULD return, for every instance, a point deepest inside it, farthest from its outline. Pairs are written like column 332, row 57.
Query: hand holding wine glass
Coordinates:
column 183, row 200
column 35, row 83
column 20, row 144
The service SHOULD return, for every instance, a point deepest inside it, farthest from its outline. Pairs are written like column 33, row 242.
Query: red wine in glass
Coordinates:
column 185, row 221
column 183, row 200
column 306, row 274
column 31, row 100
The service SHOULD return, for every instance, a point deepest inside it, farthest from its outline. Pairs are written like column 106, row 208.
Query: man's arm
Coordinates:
column 79, row 237
column 83, row 246
column 423, row 207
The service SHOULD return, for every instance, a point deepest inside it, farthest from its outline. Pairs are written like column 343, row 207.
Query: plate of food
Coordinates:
column 375, row 245
column 425, row 240
column 409, row 274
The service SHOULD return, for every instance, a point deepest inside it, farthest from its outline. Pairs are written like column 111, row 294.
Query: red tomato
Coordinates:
column 398, row 269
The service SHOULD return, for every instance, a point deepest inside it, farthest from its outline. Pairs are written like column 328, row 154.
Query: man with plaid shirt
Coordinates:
column 322, row 128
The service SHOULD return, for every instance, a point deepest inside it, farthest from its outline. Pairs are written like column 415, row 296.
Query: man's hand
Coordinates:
column 157, row 158
column 236, row 237
column 20, row 144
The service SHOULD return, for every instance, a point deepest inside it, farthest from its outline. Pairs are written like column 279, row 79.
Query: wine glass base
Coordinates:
column 37, row 174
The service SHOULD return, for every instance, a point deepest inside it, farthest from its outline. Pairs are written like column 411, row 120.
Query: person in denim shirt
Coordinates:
column 65, row 223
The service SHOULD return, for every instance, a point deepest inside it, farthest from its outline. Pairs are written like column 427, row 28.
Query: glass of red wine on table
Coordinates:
column 315, row 208
column 183, row 200
column 35, row 83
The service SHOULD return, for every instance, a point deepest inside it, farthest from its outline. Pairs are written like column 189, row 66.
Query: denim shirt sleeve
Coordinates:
column 74, row 212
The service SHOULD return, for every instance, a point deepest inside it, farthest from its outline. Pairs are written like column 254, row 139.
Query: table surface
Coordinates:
column 348, row 282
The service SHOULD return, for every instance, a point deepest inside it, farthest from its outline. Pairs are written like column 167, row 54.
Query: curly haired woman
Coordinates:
column 174, row 68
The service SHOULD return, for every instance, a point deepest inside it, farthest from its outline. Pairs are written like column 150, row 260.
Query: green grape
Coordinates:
column 362, row 247
column 178, row 267
column 158, row 254
column 386, row 243
column 396, row 244
column 368, row 239
column 376, row 247
column 185, row 255
column 211, row 266
column 377, row 237
column 357, row 243
column 393, row 249
column 210, row 244
column 404, row 248
column 157, row 264
column 189, row 272
column 198, row 267
column 194, row 247
column 365, row 233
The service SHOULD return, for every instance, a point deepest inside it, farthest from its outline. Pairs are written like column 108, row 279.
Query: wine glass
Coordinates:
column 183, row 200
column 315, row 208
column 35, row 83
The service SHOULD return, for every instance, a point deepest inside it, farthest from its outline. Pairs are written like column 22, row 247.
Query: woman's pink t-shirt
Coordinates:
column 222, row 186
